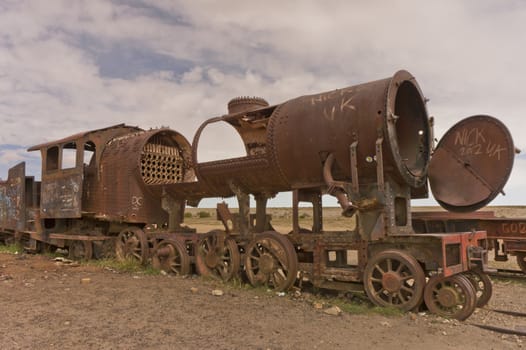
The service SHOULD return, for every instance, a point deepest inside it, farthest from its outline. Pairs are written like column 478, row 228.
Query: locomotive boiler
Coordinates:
column 369, row 145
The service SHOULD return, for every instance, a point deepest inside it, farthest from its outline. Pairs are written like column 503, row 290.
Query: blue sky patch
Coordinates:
column 127, row 62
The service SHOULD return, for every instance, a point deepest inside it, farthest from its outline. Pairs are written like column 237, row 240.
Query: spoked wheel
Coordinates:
column 394, row 278
column 521, row 261
column 80, row 250
column 132, row 244
column 171, row 256
column 218, row 256
column 482, row 284
column 271, row 260
column 452, row 297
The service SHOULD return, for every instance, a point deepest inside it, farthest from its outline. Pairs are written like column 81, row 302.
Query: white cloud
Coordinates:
column 466, row 56
column 12, row 155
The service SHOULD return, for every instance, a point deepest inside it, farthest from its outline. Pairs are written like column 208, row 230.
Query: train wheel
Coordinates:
column 452, row 297
column 171, row 256
column 218, row 256
column 394, row 278
column 80, row 250
column 271, row 260
column 521, row 261
column 482, row 284
column 132, row 244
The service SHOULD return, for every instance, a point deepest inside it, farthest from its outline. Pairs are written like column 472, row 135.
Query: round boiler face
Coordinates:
column 409, row 131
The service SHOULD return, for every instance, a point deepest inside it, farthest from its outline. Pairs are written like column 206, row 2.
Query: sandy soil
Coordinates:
column 50, row 305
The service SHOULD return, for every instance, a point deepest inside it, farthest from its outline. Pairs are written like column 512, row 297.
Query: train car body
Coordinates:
column 93, row 185
column 369, row 145
column 506, row 236
column 17, row 194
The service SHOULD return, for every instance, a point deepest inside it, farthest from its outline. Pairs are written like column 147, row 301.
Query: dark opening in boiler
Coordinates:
column 411, row 128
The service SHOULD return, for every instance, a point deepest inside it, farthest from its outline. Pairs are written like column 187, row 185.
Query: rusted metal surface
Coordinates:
column 271, row 260
column 170, row 256
column 452, row 296
column 245, row 104
column 104, row 175
column 132, row 243
column 13, row 199
column 447, row 254
column 218, row 256
column 505, row 235
column 62, row 196
column 496, row 227
column 128, row 165
column 306, row 130
column 394, row 277
column 67, row 182
column 471, row 163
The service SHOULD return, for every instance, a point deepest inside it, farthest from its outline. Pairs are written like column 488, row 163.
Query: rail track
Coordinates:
column 519, row 330
column 508, row 274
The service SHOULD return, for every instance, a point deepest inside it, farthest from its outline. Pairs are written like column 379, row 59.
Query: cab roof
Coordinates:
column 75, row 137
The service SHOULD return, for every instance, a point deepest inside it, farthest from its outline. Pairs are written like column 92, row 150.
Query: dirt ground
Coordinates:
column 51, row 305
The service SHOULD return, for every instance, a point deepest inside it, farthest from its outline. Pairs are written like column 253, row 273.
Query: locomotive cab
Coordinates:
column 67, row 166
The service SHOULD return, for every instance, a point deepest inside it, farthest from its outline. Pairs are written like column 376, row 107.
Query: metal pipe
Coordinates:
column 335, row 190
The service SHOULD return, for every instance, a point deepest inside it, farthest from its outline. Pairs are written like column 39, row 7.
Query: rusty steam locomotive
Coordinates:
column 369, row 145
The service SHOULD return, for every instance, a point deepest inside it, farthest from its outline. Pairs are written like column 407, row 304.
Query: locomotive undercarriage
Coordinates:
column 443, row 271
column 381, row 256
column 446, row 271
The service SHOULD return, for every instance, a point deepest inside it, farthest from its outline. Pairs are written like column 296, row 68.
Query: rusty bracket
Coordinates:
column 295, row 211
column 380, row 165
column 354, row 169
column 243, row 200
column 71, row 237
column 225, row 216
column 470, row 168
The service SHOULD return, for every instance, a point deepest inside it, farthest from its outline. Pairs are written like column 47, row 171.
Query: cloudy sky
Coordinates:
column 69, row 66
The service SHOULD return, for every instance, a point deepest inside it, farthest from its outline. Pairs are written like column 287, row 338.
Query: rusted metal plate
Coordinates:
column 65, row 185
column 442, row 215
column 61, row 196
column 114, row 130
column 496, row 227
column 134, row 168
column 453, row 257
column 504, row 228
column 12, row 199
column 388, row 114
column 471, row 163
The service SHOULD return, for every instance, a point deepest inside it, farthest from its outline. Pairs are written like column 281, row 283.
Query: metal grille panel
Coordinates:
column 161, row 163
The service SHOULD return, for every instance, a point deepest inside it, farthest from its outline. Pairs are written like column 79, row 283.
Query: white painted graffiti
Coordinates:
column 335, row 102
column 136, row 202
column 474, row 142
